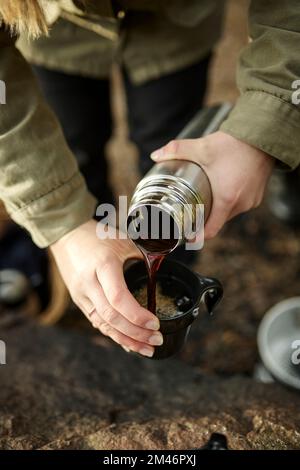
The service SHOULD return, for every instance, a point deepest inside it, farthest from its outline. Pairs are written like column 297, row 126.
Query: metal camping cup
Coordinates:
column 279, row 341
column 178, row 189
column 175, row 279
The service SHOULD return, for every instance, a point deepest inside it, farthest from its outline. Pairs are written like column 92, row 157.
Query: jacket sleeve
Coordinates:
column 267, row 115
column 40, row 183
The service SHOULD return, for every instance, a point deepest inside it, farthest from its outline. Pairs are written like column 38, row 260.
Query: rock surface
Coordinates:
column 61, row 391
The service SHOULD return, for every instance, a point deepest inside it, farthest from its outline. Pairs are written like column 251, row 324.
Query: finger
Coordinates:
column 218, row 217
column 128, row 344
column 125, row 341
column 186, row 149
column 127, row 250
column 86, row 306
column 111, row 278
column 112, row 317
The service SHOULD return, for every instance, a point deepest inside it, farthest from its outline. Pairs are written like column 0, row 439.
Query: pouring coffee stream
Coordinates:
column 174, row 198
column 153, row 261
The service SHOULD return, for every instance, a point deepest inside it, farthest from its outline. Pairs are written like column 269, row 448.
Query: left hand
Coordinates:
column 238, row 173
column 92, row 269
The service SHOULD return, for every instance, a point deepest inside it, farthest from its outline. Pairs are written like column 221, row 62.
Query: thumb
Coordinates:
column 219, row 215
column 187, row 149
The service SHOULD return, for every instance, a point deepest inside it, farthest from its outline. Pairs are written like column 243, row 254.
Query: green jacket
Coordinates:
column 40, row 183
column 150, row 39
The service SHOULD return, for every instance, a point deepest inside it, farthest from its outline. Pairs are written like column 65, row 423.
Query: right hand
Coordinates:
column 93, row 272
column 237, row 171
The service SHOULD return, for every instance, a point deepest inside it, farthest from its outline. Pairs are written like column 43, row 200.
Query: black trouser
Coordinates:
column 157, row 111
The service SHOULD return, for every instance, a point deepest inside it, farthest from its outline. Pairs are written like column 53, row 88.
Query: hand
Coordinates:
column 238, row 173
column 93, row 272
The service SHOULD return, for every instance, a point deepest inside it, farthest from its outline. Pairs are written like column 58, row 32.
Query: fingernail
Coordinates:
column 147, row 352
column 157, row 154
column 126, row 349
column 156, row 339
column 152, row 325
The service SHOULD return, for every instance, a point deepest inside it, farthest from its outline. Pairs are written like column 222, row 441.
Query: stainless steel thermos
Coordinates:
column 180, row 189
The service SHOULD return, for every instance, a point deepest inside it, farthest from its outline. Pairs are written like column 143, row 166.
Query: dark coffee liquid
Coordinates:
column 153, row 259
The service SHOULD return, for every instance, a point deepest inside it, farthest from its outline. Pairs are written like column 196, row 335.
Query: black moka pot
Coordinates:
column 176, row 280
